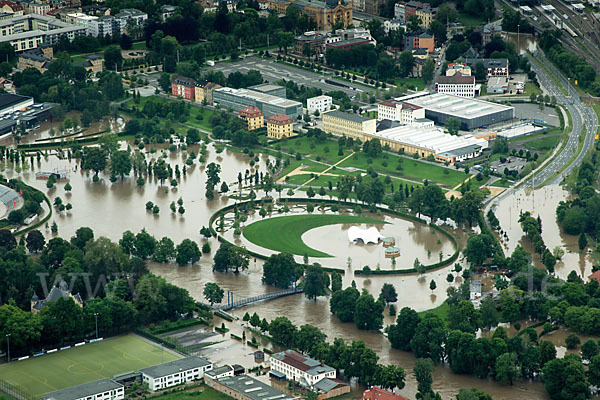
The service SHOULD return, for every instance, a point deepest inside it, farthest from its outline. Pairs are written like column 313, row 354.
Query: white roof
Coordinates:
column 370, row 235
column 548, row 7
column 578, row 6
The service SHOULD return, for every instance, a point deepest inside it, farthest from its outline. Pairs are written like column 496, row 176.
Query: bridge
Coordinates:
column 232, row 302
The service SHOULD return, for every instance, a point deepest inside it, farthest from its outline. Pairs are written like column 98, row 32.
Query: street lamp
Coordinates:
column 96, row 315
column 8, row 346
column 518, row 41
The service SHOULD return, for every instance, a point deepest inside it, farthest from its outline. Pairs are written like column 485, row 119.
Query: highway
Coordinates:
column 581, row 115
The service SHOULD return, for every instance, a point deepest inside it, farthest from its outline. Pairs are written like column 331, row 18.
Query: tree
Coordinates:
column 35, row 241
column 589, row 349
column 94, row 158
column 144, row 245
column 506, row 368
column 368, row 313
column 113, row 58
column 402, row 332
column 489, row 313
column 429, row 338
column 428, row 70
column 187, row 252
column 283, row 331
column 309, row 338
column 164, row 250
column 192, row 136
column 479, row 248
column 480, row 72
column 432, row 285
column 82, row 236
column 422, row 371
column 594, row 370
column 472, row 394
column 343, row 303
column 213, row 293
column 315, row 282
column 254, row 320
column 388, row 293
column 582, row 241
column 565, row 378
column 229, row 256
column 164, row 81
column 452, row 125
column 572, row 341
column 336, row 282
column 389, row 377
column 120, row 163
column 280, row 270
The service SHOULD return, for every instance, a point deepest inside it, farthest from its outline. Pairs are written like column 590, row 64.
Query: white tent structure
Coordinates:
column 366, row 236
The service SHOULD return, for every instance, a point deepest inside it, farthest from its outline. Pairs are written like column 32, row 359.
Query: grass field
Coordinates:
column 290, row 229
column 543, row 144
column 410, row 168
column 91, row 362
column 326, row 149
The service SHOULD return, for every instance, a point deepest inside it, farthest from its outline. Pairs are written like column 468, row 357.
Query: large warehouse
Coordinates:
column 471, row 113
column 236, row 99
column 426, row 141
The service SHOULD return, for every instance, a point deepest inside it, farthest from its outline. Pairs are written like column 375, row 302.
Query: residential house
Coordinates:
column 204, row 92
column 376, row 393
column 184, row 87
column 309, row 43
column 279, row 126
column 8, row 86
column 455, row 67
column 57, row 292
column 420, row 41
column 176, row 372
column 10, row 7
column 393, row 25
column 134, row 15
column 92, row 64
column 166, row 11
column 493, row 66
column 34, row 58
column 301, row 369
column 403, row 112
column 254, row 118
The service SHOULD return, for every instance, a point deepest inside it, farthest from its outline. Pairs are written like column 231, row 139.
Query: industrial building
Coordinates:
column 471, row 113
column 430, row 141
column 236, row 99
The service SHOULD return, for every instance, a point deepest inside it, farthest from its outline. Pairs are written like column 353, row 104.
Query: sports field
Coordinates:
column 284, row 234
column 87, row 363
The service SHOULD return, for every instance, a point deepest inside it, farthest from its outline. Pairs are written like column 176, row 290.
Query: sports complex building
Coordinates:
column 472, row 113
column 236, row 99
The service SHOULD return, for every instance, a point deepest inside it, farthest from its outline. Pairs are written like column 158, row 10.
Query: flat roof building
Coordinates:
column 175, row 372
column 457, row 85
column 267, row 88
column 236, row 99
column 26, row 32
column 472, row 113
column 302, row 369
column 426, row 141
column 104, row 389
column 244, row 387
column 340, row 123
column 13, row 102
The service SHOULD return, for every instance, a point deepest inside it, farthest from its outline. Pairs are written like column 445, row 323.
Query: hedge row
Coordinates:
column 404, row 215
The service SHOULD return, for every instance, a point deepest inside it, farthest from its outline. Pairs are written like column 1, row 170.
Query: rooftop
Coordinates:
column 9, row 100
column 252, row 388
column 173, row 367
column 326, row 385
column 219, row 370
column 344, row 115
column 457, row 106
column 250, row 112
column 488, row 62
column 279, row 119
column 375, row 393
column 456, row 79
column 349, row 42
column 302, row 362
column 84, row 390
column 258, row 96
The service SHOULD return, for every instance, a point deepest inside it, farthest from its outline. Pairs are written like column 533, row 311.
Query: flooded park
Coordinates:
column 110, row 208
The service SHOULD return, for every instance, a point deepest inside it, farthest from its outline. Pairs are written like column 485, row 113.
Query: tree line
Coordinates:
column 112, row 280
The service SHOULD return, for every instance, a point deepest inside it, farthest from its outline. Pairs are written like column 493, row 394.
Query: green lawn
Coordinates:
column 204, row 394
column 531, row 88
column 411, row 83
column 87, row 363
column 543, row 144
column 469, row 20
column 284, row 234
column 441, row 311
column 204, row 123
column 326, row 149
column 410, row 168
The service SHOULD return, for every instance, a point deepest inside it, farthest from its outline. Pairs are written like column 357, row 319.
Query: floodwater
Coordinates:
column 415, row 240
column 111, row 208
column 524, row 41
column 542, row 202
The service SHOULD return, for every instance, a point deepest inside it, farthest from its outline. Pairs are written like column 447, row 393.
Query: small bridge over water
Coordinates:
column 232, row 302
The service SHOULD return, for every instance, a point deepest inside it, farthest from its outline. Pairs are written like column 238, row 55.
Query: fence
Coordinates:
column 15, row 391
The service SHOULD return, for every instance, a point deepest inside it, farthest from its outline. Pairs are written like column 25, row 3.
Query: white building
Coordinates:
column 219, row 372
column 457, row 85
column 405, row 113
column 175, row 372
column 301, row 369
column 104, row 389
column 393, row 25
column 106, row 25
column 399, row 11
column 319, row 103
column 26, row 32
column 134, row 15
column 166, row 12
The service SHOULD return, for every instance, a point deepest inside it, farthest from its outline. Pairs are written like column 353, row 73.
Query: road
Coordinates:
column 273, row 71
column 581, row 116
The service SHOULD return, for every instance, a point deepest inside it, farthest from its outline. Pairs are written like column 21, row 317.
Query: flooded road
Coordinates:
column 541, row 202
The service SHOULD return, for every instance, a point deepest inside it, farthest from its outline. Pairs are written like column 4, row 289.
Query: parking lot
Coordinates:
column 512, row 163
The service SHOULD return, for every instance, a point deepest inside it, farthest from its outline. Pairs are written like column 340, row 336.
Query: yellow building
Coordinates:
column 279, row 126
column 426, row 15
column 326, row 13
column 339, row 123
column 204, row 91
column 253, row 117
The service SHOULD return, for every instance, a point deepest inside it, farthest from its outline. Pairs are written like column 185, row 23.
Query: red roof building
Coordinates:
column 375, row 393
column 250, row 112
column 595, row 275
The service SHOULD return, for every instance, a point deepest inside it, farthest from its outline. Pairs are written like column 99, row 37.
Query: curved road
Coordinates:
column 581, row 116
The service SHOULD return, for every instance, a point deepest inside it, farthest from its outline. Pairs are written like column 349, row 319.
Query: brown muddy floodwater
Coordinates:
column 112, row 208
column 542, row 202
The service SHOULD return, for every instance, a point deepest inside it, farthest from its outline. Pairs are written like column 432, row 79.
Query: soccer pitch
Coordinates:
column 87, row 363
